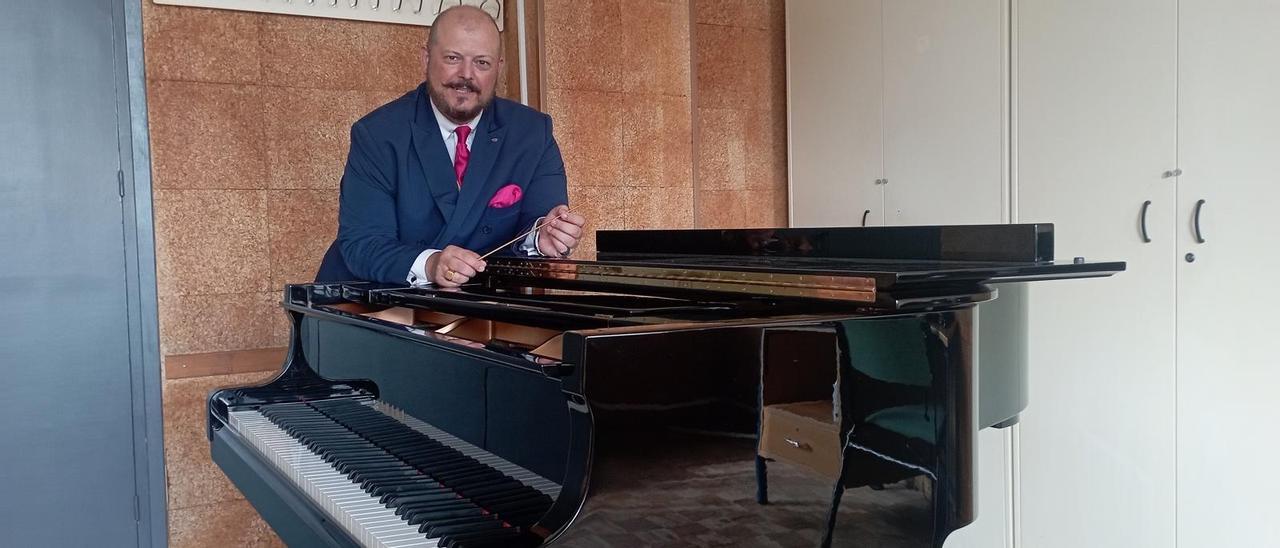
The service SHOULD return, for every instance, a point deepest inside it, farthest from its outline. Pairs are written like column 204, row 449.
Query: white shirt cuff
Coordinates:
column 418, row 272
column 530, row 245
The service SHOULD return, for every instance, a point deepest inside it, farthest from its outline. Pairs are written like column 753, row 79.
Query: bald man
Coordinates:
column 448, row 172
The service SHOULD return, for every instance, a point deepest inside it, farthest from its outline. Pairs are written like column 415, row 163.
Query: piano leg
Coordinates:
column 762, row 480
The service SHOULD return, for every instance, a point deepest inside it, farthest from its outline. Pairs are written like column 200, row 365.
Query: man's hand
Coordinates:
column 561, row 232
column 453, row 266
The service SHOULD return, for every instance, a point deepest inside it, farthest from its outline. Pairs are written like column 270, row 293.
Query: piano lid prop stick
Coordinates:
column 536, row 226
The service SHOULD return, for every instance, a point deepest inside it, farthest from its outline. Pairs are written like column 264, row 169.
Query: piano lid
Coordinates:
column 863, row 265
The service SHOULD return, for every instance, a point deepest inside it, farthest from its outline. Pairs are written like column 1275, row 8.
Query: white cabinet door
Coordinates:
column 1228, row 319
column 1095, row 130
column 944, row 111
column 834, row 112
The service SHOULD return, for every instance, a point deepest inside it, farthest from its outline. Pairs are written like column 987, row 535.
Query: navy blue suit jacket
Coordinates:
column 399, row 195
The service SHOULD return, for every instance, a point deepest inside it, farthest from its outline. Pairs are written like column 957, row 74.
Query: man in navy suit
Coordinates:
column 448, row 170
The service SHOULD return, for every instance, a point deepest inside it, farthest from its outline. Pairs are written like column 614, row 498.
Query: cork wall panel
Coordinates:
column 624, row 117
column 751, row 14
column 201, row 45
column 194, row 479
column 754, row 208
column 218, row 525
column 654, row 208
column 196, row 324
column 211, row 241
column 580, row 38
column 320, row 53
column 206, row 135
column 307, row 133
column 655, row 47
column 657, row 140
column 741, row 149
column 733, row 67
column 588, row 126
column 740, row 88
column 302, row 224
column 604, row 208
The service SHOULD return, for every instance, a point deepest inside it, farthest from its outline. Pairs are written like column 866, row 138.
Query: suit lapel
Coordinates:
column 434, row 158
column 476, row 183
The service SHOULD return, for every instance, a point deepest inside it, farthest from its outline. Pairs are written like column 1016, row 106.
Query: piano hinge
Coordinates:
column 120, row 181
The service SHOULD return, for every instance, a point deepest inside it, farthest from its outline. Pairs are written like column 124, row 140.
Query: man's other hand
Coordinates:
column 453, row 266
column 560, row 234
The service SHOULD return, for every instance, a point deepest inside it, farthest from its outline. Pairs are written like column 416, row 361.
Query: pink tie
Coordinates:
column 460, row 154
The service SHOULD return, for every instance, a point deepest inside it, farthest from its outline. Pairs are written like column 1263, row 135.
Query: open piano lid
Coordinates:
column 879, row 266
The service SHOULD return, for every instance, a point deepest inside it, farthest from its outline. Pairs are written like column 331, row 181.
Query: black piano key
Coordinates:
column 429, row 483
column 426, row 515
column 503, row 537
column 454, row 527
column 421, row 498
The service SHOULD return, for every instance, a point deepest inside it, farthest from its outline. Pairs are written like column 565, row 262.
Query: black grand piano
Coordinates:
column 754, row 387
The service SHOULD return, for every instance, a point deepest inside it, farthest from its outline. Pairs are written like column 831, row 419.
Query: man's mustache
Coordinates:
column 463, row 84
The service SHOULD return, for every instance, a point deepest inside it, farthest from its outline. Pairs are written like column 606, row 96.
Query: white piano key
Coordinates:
column 349, row 505
column 361, row 514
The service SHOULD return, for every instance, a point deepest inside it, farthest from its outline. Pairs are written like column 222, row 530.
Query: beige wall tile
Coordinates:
column 581, row 44
column 604, row 208
column 651, row 208
column 211, row 241
column 588, row 126
column 655, row 48
column 753, row 14
column 193, row 324
column 737, row 208
column 194, row 479
column 308, row 133
column 657, row 140
column 340, row 54
column 722, row 148
column 780, row 207
column 741, row 149
column 206, row 135
column 201, row 45
column 220, row 525
column 302, row 224
column 733, row 67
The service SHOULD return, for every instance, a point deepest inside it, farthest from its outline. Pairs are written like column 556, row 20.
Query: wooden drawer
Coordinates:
column 802, row 433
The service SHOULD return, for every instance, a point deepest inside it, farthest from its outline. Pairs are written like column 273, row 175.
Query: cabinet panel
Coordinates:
column 1228, row 366
column 1096, row 125
column 834, row 111
column 944, row 111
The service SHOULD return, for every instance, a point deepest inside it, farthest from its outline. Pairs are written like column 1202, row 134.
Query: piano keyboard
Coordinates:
column 393, row 481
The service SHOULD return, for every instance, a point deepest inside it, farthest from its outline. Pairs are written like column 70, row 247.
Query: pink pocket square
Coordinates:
column 506, row 196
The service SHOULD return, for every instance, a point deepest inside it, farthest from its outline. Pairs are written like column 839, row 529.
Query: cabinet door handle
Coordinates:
column 864, row 216
column 1196, row 222
column 1143, row 225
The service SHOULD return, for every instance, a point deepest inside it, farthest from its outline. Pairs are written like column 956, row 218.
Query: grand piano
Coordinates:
column 753, row 387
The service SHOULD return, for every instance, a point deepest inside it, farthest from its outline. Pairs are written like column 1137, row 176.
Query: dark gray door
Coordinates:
column 66, row 410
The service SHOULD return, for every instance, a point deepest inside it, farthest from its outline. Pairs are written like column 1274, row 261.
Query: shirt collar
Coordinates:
column 446, row 125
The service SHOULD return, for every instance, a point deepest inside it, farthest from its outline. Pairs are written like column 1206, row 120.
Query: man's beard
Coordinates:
column 453, row 113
